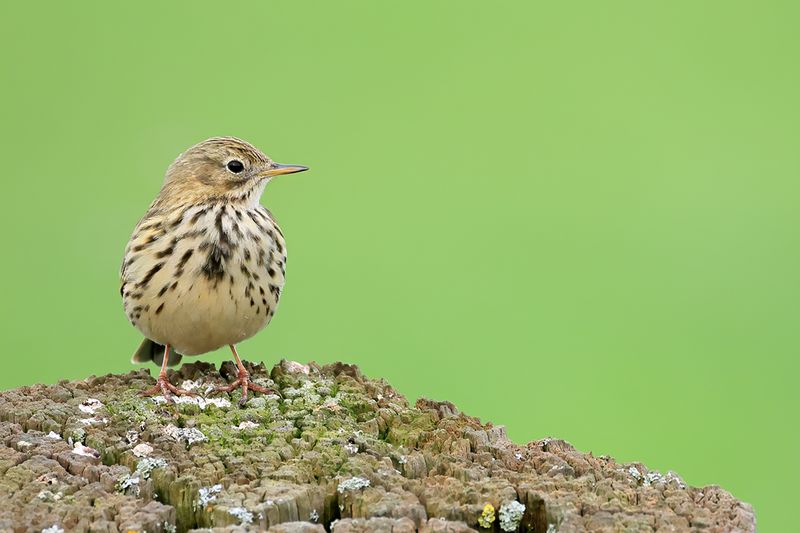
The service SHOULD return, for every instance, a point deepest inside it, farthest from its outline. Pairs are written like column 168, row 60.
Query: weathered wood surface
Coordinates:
column 340, row 452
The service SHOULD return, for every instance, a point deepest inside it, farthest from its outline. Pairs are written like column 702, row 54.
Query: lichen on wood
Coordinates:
column 338, row 452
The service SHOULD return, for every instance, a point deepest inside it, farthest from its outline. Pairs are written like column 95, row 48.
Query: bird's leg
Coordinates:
column 163, row 385
column 243, row 380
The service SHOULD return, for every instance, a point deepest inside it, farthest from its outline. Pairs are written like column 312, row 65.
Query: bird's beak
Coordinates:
column 278, row 169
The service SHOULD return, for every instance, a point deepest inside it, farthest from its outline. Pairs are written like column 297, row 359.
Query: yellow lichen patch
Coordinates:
column 486, row 518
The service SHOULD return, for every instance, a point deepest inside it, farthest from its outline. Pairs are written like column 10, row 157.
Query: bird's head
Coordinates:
column 222, row 168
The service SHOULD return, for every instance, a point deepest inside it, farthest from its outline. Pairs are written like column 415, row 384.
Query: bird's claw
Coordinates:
column 166, row 389
column 243, row 381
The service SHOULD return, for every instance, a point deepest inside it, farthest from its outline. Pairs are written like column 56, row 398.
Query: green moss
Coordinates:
column 134, row 409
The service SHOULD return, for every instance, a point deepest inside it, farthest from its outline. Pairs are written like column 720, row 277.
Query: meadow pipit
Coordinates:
column 205, row 266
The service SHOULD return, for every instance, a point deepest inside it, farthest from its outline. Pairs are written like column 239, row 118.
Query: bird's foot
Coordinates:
column 243, row 381
column 167, row 389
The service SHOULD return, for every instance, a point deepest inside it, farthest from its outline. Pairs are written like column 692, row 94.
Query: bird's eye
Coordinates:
column 235, row 166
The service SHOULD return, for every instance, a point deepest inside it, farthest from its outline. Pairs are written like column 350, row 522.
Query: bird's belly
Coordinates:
column 203, row 317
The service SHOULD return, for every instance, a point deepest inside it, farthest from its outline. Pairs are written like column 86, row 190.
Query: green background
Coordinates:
column 577, row 220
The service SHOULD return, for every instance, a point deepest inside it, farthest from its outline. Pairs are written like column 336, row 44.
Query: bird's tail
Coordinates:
column 152, row 351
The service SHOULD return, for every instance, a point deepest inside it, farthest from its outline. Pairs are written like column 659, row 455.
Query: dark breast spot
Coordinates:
column 214, row 266
column 224, row 238
column 163, row 289
column 177, row 222
column 199, row 213
column 182, row 263
column 152, row 272
column 166, row 252
column 150, row 240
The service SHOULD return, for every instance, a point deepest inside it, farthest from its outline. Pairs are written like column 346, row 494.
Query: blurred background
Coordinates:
column 579, row 221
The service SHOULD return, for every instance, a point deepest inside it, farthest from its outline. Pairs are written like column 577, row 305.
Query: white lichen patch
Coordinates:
column 142, row 450
column 143, row 470
column 53, row 435
column 92, row 421
column 245, row 425
column 654, row 477
column 511, row 515
column 190, row 385
column 295, row 367
column 132, row 437
column 243, row 515
column 188, row 435
column 80, row 449
column 353, row 483
column 351, row 448
column 208, row 495
column 634, row 473
column 672, row 477
column 199, row 401
column 48, row 496
column 147, row 465
column 53, row 529
column 222, row 403
column 90, row 406
column 127, row 482
column 24, row 445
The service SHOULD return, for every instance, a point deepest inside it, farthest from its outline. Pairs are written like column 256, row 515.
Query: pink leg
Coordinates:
column 243, row 380
column 163, row 385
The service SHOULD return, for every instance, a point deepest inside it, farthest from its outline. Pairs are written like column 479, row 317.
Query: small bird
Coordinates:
column 206, row 264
